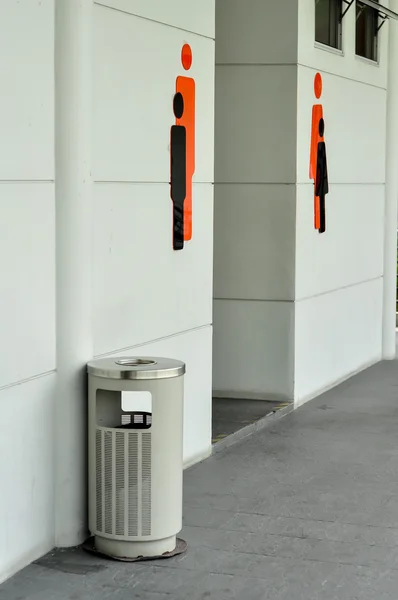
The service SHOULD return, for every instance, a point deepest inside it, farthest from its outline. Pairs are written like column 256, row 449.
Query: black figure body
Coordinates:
column 178, row 154
column 321, row 183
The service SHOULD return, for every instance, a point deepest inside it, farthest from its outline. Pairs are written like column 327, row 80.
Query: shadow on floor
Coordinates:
column 231, row 415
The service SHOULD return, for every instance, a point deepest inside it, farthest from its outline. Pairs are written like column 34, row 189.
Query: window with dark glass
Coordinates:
column 366, row 31
column 328, row 22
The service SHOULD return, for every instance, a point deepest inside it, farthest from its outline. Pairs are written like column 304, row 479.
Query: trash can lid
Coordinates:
column 135, row 367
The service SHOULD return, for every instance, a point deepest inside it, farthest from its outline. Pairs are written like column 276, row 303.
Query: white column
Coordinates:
column 391, row 201
column 73, row 22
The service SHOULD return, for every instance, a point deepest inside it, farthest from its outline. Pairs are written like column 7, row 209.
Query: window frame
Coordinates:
column 374, row 14
column 335, row 26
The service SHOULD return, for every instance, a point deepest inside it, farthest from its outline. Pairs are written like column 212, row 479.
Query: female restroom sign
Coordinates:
column 182, row 153
column 318, row 162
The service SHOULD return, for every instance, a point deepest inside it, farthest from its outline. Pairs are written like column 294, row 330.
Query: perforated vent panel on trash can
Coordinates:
column 123, row 482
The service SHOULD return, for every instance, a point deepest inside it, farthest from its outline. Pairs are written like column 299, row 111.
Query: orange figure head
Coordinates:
column 186, row 57
column 318, row 85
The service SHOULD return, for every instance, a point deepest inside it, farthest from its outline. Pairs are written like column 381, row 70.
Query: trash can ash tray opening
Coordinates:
column 135, row 362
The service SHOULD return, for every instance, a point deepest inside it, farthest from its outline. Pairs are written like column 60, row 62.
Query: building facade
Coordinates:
column 272, row 101
column 296, row 311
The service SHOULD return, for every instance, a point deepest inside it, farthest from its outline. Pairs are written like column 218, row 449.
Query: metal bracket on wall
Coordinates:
column 383, row 20
column 384, row 13
column 350, row 3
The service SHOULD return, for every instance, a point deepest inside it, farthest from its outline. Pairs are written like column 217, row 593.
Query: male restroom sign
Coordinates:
column 182, row 153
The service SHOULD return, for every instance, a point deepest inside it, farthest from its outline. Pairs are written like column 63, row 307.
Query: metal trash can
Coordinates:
column 135, row 455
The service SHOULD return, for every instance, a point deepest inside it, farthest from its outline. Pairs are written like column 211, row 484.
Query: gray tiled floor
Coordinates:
column 306, row 509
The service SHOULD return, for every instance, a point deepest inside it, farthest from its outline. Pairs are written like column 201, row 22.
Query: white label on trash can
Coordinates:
column 137, row 402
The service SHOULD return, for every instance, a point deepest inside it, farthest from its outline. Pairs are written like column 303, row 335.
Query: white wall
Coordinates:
column 339, row 273
column 284, row 295
column 147, row 297
column 27, row 295
column 255, row 198
column 295, row 311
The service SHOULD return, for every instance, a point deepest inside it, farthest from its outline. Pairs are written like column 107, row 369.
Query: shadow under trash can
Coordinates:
column 135, row 454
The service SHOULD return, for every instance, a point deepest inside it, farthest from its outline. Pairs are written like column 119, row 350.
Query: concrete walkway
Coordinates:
column 306, row 509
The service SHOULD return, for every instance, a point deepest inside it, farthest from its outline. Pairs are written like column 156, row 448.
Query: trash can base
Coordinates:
column 135, row 549
column 91, row 546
